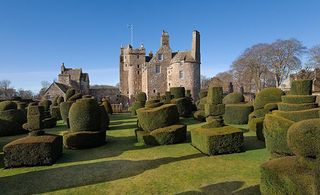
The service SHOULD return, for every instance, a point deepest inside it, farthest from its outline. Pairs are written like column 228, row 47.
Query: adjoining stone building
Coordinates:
column 156, row 73
column 75, row 78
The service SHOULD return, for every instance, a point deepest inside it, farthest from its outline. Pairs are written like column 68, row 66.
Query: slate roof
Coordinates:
column 182, row 56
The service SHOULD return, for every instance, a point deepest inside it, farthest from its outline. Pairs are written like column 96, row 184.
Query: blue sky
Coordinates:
column 36, row 36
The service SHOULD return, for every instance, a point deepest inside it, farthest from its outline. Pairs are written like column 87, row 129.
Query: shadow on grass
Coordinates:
column 122, row 127
column 80, row 175
column 189, row 121
column 230, row 187
column 252, row 143
column 120, row 117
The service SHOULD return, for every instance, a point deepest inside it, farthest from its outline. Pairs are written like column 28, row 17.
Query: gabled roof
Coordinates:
column 61, row 86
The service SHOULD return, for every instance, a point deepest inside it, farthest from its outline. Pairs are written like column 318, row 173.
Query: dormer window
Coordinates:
column 160, row 57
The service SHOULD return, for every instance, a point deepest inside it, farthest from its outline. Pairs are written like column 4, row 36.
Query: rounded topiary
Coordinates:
column 7, row 105
column 184, row 106
column 303, row 138
column 141, row 97
column 237, row 113
column 177, row 92
column 271, row 106
column 60, row 100
column 75, row 97
column 215, row 95
column 70, row 93
column 11, row 120
column 64, row 110
column 199, row 115
column 200, row 103
column 154, row 118
column 301, row 87
column 268, row 95
column 256, row 125
column 233, row 98
column 137, row 105
column 104, row 118
column 84, row 115
column 298, row 99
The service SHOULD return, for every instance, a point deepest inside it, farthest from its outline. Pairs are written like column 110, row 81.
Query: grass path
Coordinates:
column 124, row 167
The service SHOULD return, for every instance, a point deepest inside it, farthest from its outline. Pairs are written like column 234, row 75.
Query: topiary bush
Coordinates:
column 141, row 97
column 298, row 99
column 214, row 109
column 256, row 125
column 296, row 107
column 177, row 92
column 275, row 133
column 233, row 98
column 268, row 95
column 301, row 87
column 35, row 115
column 75, row 97
column 222, row 140
column 203, row 93
column 70, row 93
column 64, row 111
column 46, row 104
column 303, row 138
column 55, row 112
column 237, row 113
column 154, row 118
column 184, row 106
column 298, row 115
column 200, row 103
column 107, row 106
column 199, row 115
column 215, row 95
column 60, row 100
column 270, row 107
column 11, row 119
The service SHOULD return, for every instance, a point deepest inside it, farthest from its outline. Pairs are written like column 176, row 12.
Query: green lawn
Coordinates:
column 124, row 167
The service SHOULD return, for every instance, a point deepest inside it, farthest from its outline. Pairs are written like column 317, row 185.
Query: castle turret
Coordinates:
column 164, row 39
column 195, row 51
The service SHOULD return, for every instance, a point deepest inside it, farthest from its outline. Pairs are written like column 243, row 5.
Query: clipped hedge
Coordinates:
column 258, row 113
column 215, row 95
column 256, row 125
column 203, row 93
column 70, row 93
column 237, row 113
column 46, row 104
column 287, row 176
column 296, row 107
column 55, row 112
column 141, row 97
column 64, row 111
column 275, row 133
column 7, row 105
column 214, row 109
column 200, row 103
column 298, row 115
column 303, row 138
column 268, row 95
column 84, row 115
column 154, row 105
column 84, row 139
column 137, row 105
column 184, row 106
column 270, row 107
column 301, row 87
column 172, row 134
column 34, row 118
column 298, row 99
column 233, row 98
column 199, row 115
column 154, row 118
column 75, row 97
column 11, row 122
column 222, row 140
column 177, row 92
column 213, row 123
column 107, row 106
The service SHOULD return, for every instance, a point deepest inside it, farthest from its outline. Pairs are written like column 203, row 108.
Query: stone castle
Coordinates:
column 156, row 73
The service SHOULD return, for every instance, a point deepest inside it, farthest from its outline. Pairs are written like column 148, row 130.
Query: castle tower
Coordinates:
column 195, row 50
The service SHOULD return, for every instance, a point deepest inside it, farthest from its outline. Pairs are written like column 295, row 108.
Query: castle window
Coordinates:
column 169, row 84
column 181, row 74
column 138, row 56
column 158, row 69
column 138, row 72
column 154, row 91
column 160, row 57
column 138, row 66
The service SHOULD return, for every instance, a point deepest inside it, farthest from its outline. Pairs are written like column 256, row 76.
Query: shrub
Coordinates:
column 275, row 133
column 296, row 107
column 163, row 136
column 256, row 125
column 154, row 118
column 154, row 105
column 55, row 101
column 84, row 139
column 49, row 122
column 104, row 118
column 46, row 104
column 200, row 103
column 177, row 92
column 233, row 98
column 270, row 107
column 33, row 151
column 298, row 99
column 268, row 95
column 301, row 87
column 84, row 115
column 298, row 115
column 7, row 105
column 237, row 113
column 137, row 105
column 199, row 115
column 203, row 93
column 70, row 93
column 11, row 122
column 64, row 111
column 303, row 138
column 75, row 97
column 214, row 109
column 220, row 140
column 258, row 113
column 215, row 95
column 184, row 106
column 167, row 98
column 213, row 123
column 60, row 100
column 287, row 176
column 141, row 97
column 55, row 112
column 107, row 106
column 34, row 118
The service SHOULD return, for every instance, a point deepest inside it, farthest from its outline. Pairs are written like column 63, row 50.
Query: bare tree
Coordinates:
column 25, row 94
column 314, row 57
column 6, row 91
column 284, row 58
column 204, row 82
